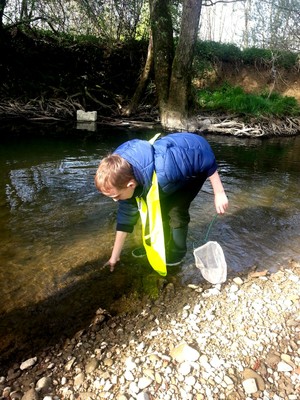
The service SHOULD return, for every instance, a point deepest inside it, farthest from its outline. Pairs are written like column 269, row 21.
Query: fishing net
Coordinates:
column 210, row 259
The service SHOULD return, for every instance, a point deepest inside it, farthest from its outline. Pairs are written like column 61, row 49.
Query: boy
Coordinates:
column 182, row 162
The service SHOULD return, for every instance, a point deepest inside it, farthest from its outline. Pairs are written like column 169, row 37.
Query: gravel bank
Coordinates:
column 239, row 340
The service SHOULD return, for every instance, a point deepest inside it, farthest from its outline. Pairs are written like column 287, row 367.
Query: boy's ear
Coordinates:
column 131, row 183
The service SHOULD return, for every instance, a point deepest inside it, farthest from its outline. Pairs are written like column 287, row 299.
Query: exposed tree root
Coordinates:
column 58, row 109
column 39, row 108
column 236, row 126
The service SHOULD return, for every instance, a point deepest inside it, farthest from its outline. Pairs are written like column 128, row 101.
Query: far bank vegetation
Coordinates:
column 49, row 69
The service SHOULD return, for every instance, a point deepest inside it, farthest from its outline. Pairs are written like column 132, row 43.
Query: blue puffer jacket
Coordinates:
column 175, row 158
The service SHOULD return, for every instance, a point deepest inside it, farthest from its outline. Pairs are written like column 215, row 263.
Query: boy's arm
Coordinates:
column 117, row 249
column 127, row 217
column 221, row 200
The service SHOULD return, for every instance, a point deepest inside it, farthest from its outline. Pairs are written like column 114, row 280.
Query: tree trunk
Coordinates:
column 175, row 114
column 163, row 48
column 131, row 108
column 172, row 73
column 2, row 6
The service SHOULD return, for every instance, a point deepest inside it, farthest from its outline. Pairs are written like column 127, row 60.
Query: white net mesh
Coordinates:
column 210, row 259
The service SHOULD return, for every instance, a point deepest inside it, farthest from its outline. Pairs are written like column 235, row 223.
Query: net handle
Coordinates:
column 208, row 230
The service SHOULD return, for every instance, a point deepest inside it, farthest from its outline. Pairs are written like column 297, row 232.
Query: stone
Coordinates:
column 250, row 373
column 250, row 386
column 70, row 363
column 63, row 381
column 85, row 396
column 79, row 379
column 228, row 381
column 184, row 352
column 128, row 376
column 130, row 364
column 43, row 384
column 287, row 359
column 190, row 380
column 143, row 396
column 238, row 281
column 86, row 116
column 184, row 368
column 28, row 363
column 149, row 373
column 6, row 391
column 91, row 366
column 284, row 367
column 272, row 359
column 16, row 395
column 133, row 388
column 215, row 361
column 158, row 378
column 108, row 362
column 144, row 382
column 31, row 394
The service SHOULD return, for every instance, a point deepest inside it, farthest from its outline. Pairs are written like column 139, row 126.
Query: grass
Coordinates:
column 234, row 99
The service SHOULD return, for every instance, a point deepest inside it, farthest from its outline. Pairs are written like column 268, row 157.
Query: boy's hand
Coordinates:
column 221, row 202
column 111, row 263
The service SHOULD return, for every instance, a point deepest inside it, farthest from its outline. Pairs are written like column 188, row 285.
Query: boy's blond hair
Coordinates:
column 113, row 172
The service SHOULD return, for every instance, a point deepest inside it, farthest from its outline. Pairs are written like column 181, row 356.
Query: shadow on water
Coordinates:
column 26, row 331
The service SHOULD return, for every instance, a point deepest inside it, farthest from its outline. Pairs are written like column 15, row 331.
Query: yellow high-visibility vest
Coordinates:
column 152, row 226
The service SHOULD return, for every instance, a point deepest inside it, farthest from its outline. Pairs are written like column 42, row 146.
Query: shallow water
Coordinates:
column 57, row 230
column 262, row 180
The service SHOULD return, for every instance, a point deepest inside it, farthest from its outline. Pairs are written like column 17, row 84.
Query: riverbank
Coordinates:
column 239, row 340
column 34, row 88
column 204, row 122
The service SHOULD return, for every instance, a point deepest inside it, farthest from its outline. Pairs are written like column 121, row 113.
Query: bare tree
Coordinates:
column 114, row 20
column 275, row 24
column 2, row 7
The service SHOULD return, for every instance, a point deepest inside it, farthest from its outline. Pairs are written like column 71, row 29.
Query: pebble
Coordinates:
column 235, row 341
column 184, row 368
column 28, row 363
column 128, row 376
column 184, row 352
column 144, row 382
column 43, row 384
column 284, row 367
column 91, row 366
column 250, row 385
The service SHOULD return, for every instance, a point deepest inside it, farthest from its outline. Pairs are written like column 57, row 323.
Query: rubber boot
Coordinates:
column 177, row 246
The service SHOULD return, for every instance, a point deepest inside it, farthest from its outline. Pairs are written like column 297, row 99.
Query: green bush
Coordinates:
column 212, row 51
column 254, row 56
column 264, row 57
column 287, row 59
column 208, row 52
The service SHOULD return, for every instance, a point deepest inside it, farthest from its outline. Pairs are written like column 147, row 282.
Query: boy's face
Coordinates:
column 122, row 194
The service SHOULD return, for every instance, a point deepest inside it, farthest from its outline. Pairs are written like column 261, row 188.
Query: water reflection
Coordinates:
column 57, row 230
